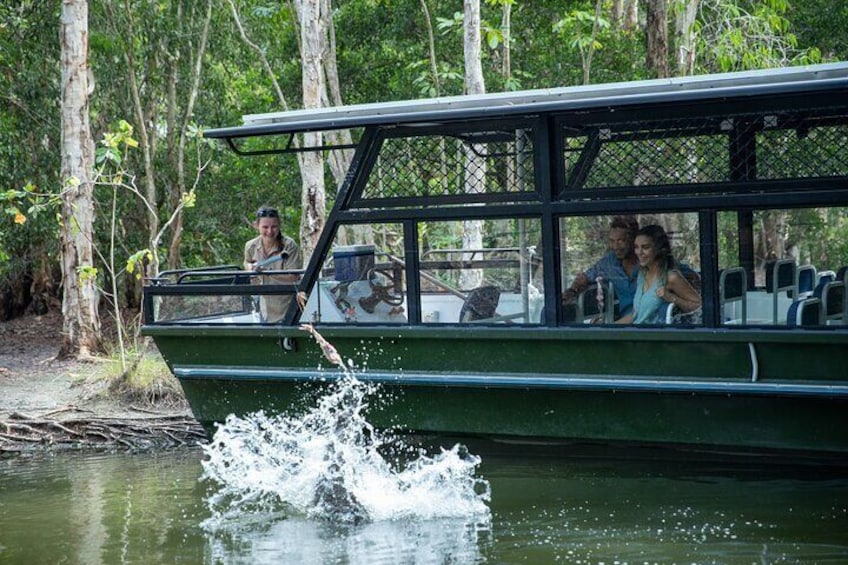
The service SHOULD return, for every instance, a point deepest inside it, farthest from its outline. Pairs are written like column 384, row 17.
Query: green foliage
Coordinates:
column 382, row 53
column 736, row 35
column 136, row 259
column 821, row 25
column 576, row 29
column 29, row 138
column 425, row 82
column 87, row 273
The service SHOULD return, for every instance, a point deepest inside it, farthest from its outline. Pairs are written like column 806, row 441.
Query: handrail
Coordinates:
column 170, row 272
column 431, row 278
column 472, row 251
column 189, row 273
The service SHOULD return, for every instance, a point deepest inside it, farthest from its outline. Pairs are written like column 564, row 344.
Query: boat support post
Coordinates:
column 755, row 365
column 287, row 343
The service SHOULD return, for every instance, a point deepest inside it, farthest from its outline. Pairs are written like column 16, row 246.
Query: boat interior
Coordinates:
column 484, row 214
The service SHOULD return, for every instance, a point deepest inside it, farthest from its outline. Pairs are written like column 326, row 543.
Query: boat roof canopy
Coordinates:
column 505, row 104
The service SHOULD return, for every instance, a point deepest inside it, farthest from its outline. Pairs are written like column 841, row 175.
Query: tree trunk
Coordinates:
column 684, row 28
column 339, row 160
column 590, row 50
column 431, row 48
column 475, row 160
column 631, row 14
column 657, row 36
column 147, row 142
column 312, row 33
column 311, row 164
column 474, row 83
column 81, row 326
column 181, row 187
column 617, row 13
column 506, row 29
column 171, row 108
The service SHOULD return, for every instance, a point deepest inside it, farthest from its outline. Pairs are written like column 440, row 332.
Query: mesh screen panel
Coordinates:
column 488, row 162
column 701, row 150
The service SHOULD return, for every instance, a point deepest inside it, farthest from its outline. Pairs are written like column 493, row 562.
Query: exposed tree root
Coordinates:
column 21, row 433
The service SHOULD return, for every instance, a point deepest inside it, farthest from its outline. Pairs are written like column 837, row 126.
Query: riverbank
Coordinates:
column 47, row 403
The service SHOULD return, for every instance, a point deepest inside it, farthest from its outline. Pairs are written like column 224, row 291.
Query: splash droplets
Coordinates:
column 327, row 464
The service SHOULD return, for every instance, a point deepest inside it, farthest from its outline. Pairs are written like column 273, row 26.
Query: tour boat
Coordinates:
column 440, row 273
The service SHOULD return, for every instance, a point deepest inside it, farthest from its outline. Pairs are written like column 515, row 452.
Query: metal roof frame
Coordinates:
column 504, row 104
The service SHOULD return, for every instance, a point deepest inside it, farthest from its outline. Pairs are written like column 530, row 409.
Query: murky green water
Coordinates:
column 150, row 508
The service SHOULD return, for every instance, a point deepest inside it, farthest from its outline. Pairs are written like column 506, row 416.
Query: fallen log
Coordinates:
column 21, row 433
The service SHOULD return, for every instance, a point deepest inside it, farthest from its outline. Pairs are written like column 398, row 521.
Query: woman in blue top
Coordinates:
column 659, row 280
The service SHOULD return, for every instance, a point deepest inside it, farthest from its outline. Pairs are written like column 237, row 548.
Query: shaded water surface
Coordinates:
column 154, row 508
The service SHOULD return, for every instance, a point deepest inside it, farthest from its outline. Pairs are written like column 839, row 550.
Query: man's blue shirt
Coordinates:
column 611, row 269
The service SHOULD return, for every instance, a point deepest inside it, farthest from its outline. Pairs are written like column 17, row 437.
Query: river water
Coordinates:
column 325, row 487
column 155, row 508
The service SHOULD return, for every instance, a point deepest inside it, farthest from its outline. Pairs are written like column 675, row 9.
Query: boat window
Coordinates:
column 363, row 278
column 481, row 271
column 463, row 166
column 783, row 267
column 600, row 269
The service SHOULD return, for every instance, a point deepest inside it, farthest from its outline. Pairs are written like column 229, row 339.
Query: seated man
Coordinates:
column 618, row 266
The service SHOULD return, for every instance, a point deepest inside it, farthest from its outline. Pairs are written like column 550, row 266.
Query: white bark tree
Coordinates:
column 81, row 325
column 475, row 155
column 320, row 86
column 685, row 12
column 472, row 49
column 338, row 160
column 313, row 198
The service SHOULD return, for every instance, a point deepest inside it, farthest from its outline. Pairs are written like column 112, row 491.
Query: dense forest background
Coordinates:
column 162, row 71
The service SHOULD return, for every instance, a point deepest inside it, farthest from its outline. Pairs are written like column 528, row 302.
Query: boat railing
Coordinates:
column 470, row 259
column 219, row 294
column 435, row 280
column 469, row 256
column 217, row 275
column 173, row 276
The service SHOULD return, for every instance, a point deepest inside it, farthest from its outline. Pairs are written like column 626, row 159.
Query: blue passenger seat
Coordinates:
column 805, row 280
column 780, row 276
column 733, row 288
column 834, row 304
column 805, row 312
column 826, row 276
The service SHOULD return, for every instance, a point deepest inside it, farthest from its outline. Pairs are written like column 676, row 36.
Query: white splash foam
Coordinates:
column 327, row 465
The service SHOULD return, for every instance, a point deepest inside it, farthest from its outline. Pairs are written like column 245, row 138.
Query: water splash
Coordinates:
column 332, row 465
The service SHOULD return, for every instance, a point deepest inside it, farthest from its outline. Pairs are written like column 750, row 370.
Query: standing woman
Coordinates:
column 271, row 251
column 659, row 281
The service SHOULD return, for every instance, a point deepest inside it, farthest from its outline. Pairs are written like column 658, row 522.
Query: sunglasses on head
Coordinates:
column 267, row 213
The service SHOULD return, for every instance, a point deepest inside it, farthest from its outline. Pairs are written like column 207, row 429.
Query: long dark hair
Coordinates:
column 662, row 246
